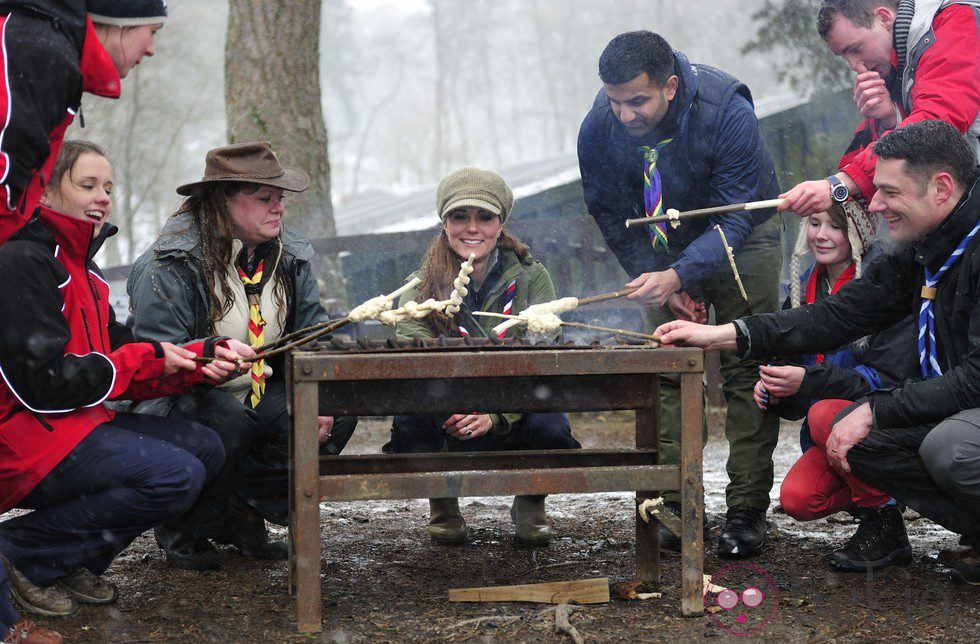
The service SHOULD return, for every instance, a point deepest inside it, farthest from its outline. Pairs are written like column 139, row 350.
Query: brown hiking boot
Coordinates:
column 530, row 521
column 27, row 632
column 88, row 588
column 52, row 601
column 446, row 524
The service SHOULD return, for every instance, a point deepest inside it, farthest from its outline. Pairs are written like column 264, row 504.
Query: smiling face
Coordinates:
column 256, row 214
column 912, row 207
column 472, row 231
column 640, row 104
column 126, row 46
column 864, row 49
column 828, row 242
column 84, row 190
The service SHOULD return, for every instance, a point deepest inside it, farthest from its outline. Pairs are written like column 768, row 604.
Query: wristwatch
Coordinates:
column 837, row 189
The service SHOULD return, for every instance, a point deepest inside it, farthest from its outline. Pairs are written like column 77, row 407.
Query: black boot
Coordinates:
column 744, row 533
column 184, row 550
column 246, row 531
column 966, row 568
column 670, row 541
column 879, row 541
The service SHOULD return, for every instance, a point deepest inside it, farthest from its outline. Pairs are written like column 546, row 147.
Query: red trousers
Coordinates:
column 813, row 488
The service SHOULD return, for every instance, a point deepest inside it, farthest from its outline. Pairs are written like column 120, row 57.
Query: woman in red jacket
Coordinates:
column 95, row 479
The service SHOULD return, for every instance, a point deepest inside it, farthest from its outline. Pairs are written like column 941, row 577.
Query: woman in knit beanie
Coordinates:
column 839, row 241
column 474, row 205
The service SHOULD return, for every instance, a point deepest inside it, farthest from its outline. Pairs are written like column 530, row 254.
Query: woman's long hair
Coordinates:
column 441, row 266
column 208, row 208
column 71, row 150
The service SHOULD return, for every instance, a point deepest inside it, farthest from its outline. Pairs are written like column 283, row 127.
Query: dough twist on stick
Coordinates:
column 419, row 310
column 459, row 286
column 371, row 309
column 534, row 311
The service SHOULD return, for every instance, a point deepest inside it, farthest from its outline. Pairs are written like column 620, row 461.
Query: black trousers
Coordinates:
column 256, row 443
column 934, row 469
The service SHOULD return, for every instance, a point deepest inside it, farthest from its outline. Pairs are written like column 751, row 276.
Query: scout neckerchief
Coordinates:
column 811, row 287
column 653, row 191
column 256, row 327
column 509, row 306
column 928, row 359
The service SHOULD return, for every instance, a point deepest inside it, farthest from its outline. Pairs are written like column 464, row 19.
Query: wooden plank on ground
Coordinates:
column 583, row 591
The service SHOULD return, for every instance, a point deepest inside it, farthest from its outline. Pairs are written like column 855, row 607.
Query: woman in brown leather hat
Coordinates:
column 225, row 264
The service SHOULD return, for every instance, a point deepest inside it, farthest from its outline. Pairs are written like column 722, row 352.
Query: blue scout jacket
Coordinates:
column 717, row 157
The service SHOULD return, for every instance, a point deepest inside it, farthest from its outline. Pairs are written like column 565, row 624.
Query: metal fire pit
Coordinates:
column 446, row 375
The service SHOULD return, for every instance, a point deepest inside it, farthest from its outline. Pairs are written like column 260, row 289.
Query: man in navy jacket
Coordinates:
column 665, row 133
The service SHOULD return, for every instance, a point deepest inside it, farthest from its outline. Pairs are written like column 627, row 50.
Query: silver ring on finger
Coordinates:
column 469, row 432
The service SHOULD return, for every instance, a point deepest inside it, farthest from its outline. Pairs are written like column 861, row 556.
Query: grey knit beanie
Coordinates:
column 474, row 187
column 127, row 13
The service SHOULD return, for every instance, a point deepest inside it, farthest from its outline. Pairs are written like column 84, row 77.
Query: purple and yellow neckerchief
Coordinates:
column 653, row 191
column 928, row 356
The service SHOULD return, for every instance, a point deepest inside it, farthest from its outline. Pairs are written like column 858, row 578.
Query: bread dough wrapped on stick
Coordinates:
column 419, row 310
column 371, row 309
column 543, row 316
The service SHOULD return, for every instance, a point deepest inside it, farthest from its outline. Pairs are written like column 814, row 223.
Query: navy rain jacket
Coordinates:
column 717, row 157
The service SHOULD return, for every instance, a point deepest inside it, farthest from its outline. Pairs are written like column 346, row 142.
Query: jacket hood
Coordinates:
column 180, row 237
column 67, row 15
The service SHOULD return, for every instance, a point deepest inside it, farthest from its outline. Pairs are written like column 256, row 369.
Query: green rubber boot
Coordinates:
column 530, row 521
column 446, row 524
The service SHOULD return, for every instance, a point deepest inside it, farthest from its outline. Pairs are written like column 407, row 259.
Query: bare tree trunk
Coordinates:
column 272, row 93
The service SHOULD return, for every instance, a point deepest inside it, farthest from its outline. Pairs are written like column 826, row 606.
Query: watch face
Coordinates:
column 840, row 193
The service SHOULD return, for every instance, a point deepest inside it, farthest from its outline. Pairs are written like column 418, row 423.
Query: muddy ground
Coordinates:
column 385, row 581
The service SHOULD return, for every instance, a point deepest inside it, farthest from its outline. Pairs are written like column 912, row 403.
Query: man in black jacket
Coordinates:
column 919, row 442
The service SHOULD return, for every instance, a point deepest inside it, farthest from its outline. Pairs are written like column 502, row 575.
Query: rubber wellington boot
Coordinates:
column 530, row 521
column 446, row 524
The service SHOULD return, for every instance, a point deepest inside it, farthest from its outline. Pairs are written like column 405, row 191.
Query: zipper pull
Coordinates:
column 81, row 117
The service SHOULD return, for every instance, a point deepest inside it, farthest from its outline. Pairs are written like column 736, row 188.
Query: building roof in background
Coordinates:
column 379, row 212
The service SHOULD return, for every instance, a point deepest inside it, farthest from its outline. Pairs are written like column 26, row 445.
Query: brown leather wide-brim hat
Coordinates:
column 252, row 162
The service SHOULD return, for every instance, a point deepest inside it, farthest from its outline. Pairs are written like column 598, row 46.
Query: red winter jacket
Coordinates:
column 56, row 362
column 49, row 55
column 946, row 83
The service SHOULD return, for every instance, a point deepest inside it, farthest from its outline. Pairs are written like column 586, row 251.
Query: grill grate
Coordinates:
column 443, row 343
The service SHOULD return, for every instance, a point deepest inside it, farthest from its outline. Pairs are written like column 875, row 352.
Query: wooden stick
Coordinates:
column 584, row 591
column 593, row 299
column 577, row 325
column 704, row 212
column 333, row 325
column 632, row 334
column 296, row 334
column 731, row 260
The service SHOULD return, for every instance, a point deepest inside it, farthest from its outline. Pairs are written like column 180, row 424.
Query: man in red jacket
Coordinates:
column 50, row 52
column 923, row 54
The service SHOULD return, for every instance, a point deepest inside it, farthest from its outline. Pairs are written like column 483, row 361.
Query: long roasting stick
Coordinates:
column 593, row 299
column 324, row 328
column 674, row 216
column 738, row 278
column 578, row 325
